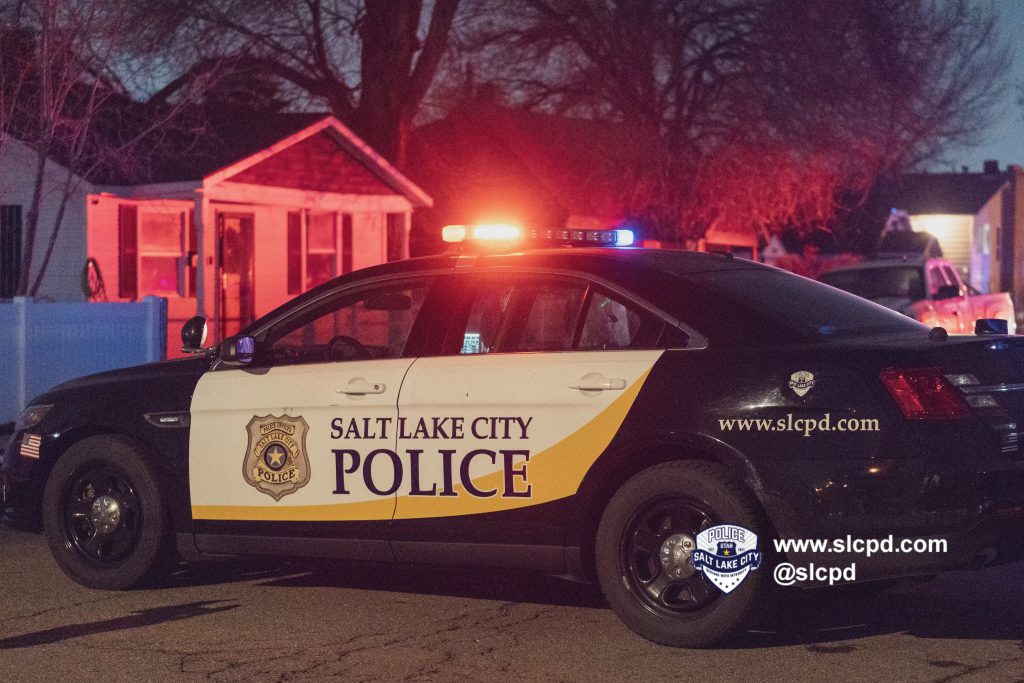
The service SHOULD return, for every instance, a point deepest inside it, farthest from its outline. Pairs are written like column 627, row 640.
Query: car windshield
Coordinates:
column 807, row 306
column 902, row 282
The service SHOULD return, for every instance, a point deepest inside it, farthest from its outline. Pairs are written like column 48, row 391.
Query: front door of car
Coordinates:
column 267, row 440
column 498, row 434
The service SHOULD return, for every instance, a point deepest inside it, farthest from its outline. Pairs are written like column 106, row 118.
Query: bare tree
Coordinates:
column 761, row 109
column 64, row 92
column 370, row 61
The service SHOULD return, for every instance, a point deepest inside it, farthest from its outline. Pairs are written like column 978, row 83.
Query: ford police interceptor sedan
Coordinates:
column 571, row 410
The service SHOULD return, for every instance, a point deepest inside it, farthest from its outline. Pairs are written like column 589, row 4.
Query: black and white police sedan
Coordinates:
column 619, row 415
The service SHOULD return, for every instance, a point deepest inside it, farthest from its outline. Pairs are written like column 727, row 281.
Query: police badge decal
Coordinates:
column 801, row 382
column 275, row 459
column 726, row 553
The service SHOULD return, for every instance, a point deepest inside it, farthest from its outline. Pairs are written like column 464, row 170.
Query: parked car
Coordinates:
column 649, row 420
column 926, row 289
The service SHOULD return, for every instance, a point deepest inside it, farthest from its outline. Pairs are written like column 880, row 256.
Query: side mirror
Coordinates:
column 948, row 292
column 193, row 335
column 238, row 350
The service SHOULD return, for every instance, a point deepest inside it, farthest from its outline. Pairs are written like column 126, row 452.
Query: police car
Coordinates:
column 591, row 410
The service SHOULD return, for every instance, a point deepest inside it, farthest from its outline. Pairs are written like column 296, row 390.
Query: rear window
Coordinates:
column 899, row 282
column 810, row 308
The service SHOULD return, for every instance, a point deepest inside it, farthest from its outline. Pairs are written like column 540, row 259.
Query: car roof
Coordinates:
column 650, row 272
column 880, row 263
column 672, row 261
column 595, row 260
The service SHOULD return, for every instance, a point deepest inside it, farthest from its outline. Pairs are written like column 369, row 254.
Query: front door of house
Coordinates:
column 237, row 296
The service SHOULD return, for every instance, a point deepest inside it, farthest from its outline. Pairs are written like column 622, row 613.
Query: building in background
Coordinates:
column 262, row 211
column 977, row 218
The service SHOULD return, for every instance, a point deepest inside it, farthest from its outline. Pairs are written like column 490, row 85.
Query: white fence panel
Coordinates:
column 43, row 344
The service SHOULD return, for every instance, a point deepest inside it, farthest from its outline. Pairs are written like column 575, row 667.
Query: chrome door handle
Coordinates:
column 361, row 387
column 599, row 384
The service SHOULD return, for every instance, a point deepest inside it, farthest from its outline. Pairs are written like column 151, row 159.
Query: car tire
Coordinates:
column 103, row 515
column 689, row 612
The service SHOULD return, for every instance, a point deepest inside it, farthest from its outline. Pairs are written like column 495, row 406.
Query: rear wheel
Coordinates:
column 103, row 515
column 644, row 542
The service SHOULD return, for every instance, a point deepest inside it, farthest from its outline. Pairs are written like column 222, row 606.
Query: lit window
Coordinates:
column 161, row 236
column 321, row 248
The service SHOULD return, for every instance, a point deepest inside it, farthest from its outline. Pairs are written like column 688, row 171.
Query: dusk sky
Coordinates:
column 1005, row 140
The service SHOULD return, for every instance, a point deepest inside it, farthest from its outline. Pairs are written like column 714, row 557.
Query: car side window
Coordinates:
column 370, row 324
column 489, row 310
column 556, row 316
column 612, row 324
column 935, row 280
column 548, row 312
column 523, row 316
column 950, row 275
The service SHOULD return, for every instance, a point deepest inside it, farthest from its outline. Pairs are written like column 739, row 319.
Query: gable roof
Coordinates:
column 541, row 165
column 945, row 193
column 230, row 141
column 321, row 135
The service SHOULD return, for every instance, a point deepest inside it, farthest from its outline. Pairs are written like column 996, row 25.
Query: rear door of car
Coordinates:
column 536, row 377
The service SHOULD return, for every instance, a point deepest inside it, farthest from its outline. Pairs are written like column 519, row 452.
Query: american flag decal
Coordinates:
column 30, row 446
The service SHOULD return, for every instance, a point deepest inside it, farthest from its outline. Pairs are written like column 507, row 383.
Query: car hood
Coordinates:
column 161, row 370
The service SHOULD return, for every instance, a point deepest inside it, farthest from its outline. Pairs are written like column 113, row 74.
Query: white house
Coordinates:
column 61, row 281
column 262, row 214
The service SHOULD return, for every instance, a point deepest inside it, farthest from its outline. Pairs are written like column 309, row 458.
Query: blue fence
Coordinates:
column 43, row 344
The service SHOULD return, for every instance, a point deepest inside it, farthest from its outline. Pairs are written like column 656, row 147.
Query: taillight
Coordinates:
column 924, row 394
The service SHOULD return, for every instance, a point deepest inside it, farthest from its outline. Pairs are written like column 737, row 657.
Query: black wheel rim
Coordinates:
column 102, row 516
column 651, row 533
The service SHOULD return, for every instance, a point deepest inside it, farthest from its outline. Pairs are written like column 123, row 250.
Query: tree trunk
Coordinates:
column 389, row 44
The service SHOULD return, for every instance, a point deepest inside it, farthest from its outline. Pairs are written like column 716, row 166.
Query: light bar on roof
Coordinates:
column 499, row 232
column 488, row 232
column 597, row 238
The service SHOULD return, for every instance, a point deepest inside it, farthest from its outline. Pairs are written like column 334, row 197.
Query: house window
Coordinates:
column 161, row 242
column 10, row 249
column 152, row 246
column 319, row 248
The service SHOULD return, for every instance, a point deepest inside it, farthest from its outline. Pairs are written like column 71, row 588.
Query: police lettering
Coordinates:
column 724, row 533
column 384, row 472
column 431, row 428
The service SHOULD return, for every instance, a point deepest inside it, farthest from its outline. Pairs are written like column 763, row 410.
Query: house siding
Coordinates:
column 953, row 232
column 17, row 172
column 988, row 227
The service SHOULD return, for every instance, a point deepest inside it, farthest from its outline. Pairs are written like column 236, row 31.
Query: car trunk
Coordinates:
column 989, row 373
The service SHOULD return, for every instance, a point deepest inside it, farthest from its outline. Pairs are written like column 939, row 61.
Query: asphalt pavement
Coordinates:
column 277, row 620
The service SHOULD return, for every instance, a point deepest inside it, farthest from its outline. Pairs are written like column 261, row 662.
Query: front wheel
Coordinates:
column 645, row 539
column 103, row 515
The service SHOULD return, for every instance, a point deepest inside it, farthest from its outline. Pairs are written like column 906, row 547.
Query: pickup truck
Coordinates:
column 927, row 289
